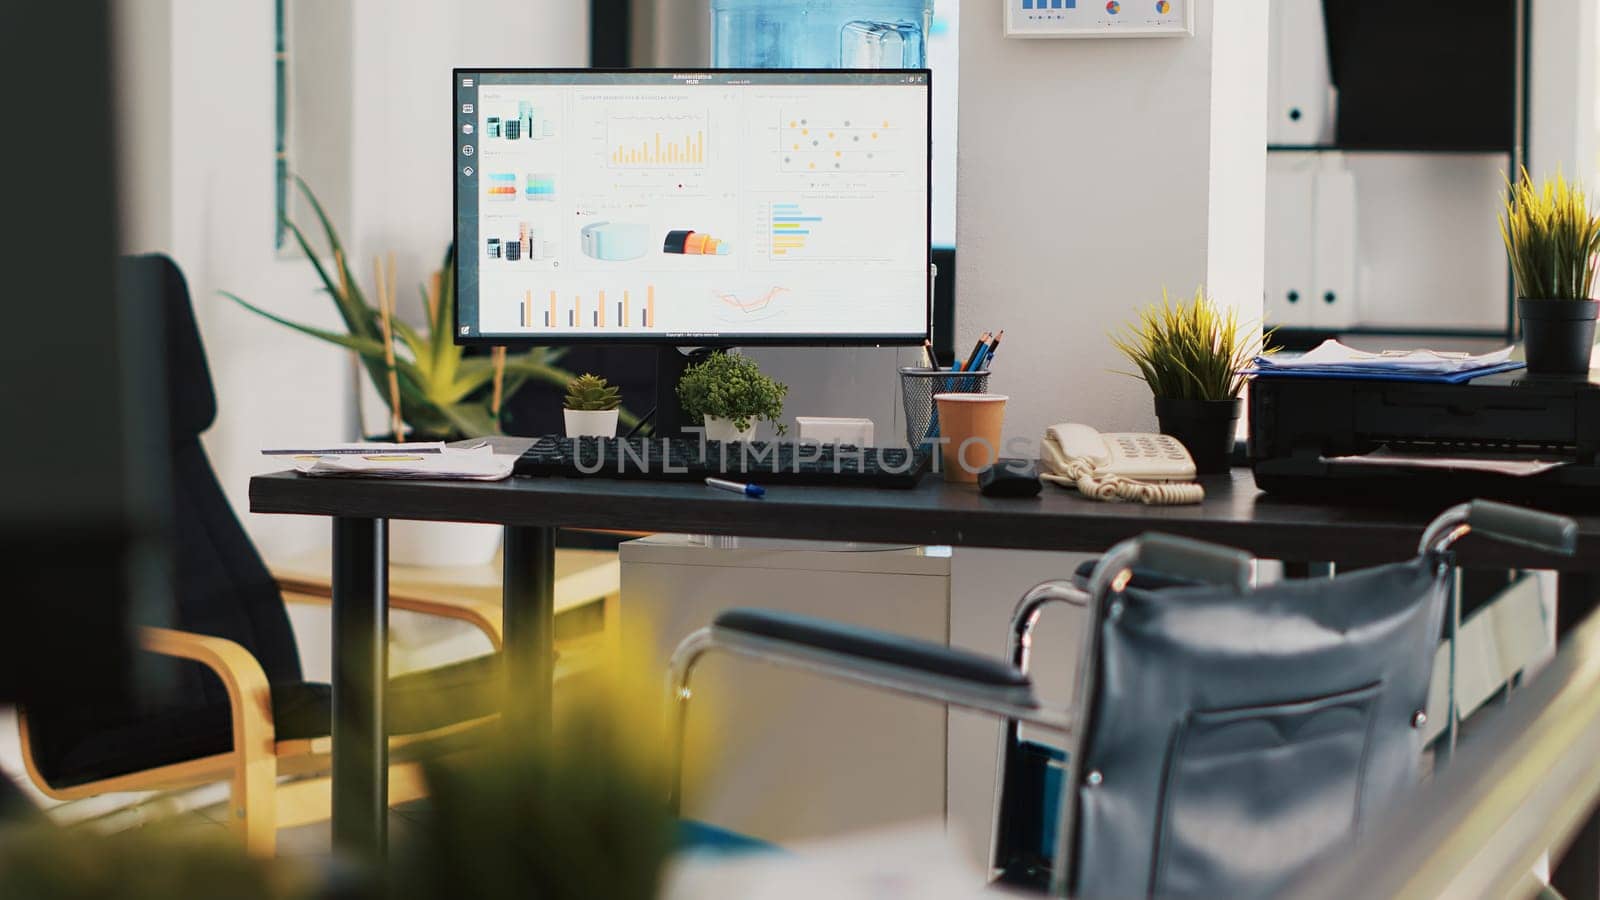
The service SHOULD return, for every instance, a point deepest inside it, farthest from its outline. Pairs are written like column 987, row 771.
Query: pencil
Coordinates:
column 973, row 357
column 928, row 359
column 994, row 346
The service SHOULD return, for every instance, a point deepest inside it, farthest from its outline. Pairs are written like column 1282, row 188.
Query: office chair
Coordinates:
column 1222, row 738
column 239, row 708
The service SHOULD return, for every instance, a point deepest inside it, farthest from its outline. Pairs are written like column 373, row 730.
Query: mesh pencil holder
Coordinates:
column 917, row 387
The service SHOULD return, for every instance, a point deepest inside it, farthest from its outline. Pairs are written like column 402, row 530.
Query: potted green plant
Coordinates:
column 590, row 407
column 441, row 392
column 1193, row 355
column 729, row 393
column 1551, row 235
column 434, row 390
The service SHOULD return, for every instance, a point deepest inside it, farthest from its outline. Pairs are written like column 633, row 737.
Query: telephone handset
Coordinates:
column 1123, row 466
column 1145, row 457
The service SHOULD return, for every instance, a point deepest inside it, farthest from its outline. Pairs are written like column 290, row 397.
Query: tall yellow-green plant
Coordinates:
column 1191, row 350
column 444, row 393
column 1551, row 234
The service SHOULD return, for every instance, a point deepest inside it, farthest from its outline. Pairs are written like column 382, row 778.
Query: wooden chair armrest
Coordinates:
column 255, row 771
column 249, row 692
column 481, row 615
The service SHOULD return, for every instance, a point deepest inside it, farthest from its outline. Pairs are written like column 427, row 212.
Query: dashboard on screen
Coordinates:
column 705, row 207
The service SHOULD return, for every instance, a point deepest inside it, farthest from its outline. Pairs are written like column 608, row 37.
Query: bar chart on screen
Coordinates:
column 669, row 140
column 831, row 229
column 629, row 309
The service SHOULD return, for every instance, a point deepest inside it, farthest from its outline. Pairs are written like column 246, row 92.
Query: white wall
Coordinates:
column 1562, row 70
column 1092, row 174
column 198, row 100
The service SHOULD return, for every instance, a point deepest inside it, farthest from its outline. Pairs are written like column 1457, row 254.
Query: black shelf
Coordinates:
column 1435, row 151
column 1306, row 338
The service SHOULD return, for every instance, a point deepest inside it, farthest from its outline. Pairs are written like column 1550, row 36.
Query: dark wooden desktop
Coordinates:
column 1234, row 513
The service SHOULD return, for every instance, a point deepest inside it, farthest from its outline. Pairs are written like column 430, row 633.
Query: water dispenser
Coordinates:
column 820, row 34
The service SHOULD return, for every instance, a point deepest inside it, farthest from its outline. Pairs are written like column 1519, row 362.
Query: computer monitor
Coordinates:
column 692, row 208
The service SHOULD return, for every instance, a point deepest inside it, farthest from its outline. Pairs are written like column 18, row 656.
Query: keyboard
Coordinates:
column 758, row 462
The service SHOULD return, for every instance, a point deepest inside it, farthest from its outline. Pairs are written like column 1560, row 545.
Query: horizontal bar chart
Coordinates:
column 791, row 227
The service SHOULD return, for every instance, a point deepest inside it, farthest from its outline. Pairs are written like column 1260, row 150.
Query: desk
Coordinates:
column 1234, row 513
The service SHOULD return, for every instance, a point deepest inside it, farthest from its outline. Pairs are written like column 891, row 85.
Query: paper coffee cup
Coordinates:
column 970, row 426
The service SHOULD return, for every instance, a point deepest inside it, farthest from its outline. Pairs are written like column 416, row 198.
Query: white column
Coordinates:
column 1091, row 174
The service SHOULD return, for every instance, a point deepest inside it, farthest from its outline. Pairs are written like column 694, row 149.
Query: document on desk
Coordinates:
column 357, row 448
column 1493, row 463
column 1331, row 359
column 448, row 464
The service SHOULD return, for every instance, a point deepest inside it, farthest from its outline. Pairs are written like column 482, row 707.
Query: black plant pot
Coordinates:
column 1204, row 427
column 1557, row 335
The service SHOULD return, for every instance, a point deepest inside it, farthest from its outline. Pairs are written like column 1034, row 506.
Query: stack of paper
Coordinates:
column 1332, row 359
column 479, row 463
column 358, row 448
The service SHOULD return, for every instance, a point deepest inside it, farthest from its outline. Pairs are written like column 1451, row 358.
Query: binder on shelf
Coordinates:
column 1333, row 294
column 1301, row 96
column 1291, row 182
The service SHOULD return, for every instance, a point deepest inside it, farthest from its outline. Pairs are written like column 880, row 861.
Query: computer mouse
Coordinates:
column 1010, row 478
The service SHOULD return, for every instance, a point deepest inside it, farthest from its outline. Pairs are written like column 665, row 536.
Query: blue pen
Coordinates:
column 749, row 490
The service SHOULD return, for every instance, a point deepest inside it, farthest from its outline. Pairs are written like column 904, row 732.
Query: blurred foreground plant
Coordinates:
column 44, row 862
column 578, row 811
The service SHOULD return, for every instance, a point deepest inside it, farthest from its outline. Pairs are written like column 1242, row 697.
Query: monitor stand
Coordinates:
column 670, row 364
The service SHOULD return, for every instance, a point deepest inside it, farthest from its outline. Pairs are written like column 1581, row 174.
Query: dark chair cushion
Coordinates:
column 154, row 285
column 221, row 587
column 418, row 701
column 935, row 659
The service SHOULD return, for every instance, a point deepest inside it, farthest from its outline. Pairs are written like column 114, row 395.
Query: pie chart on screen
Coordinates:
column 1113, row 7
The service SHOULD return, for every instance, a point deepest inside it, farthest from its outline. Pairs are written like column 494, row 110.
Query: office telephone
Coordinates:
column 1145, row 468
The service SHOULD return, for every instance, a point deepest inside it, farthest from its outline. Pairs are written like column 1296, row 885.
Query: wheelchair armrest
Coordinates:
column 906, row 665
column 879, row 646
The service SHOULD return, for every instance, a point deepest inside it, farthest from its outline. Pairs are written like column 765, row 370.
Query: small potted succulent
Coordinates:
column 729, row 393
column 1194, row 356
column 590, row 408
column 1551, row 235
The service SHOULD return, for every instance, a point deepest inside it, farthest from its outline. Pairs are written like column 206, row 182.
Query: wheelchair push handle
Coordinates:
column 1525, row 527
column 1195, row 560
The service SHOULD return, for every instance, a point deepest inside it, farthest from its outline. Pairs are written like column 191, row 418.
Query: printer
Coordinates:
column 1509, row 436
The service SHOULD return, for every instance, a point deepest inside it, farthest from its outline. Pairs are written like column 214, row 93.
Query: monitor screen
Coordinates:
column 692, row 207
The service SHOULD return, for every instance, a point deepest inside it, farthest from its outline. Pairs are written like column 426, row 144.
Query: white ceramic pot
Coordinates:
column 590, row 422
column 723, row 430
column 442, row 543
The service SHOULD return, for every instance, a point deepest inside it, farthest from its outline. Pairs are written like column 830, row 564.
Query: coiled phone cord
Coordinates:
column 1114, row 488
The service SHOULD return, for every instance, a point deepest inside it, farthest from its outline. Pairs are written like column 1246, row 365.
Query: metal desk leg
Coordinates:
column 529, row 627
column 1577, row 874
column 360, row 674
